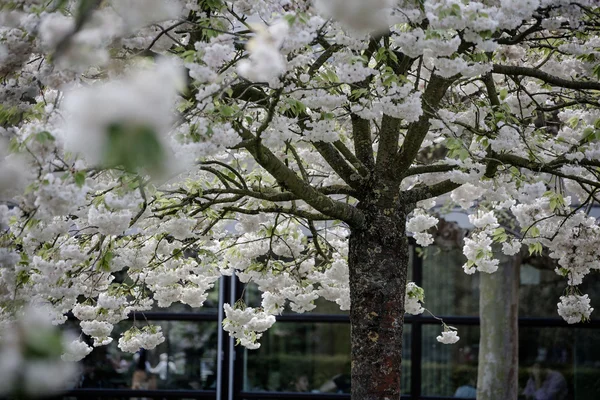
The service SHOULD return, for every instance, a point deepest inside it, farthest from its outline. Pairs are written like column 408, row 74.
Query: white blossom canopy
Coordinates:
column 150, row 146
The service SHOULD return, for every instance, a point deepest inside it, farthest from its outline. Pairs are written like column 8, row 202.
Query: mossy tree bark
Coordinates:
column 378, row 261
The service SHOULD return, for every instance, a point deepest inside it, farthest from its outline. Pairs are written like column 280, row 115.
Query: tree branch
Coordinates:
column 361, row 133
column 418, row 130
column 291, row 211
column 426, row 192
column 426, row 169
column 338, row 163
column 538, row 167
column 349, row 155
column 288, row 179
column 543, row 76
column 388, row 146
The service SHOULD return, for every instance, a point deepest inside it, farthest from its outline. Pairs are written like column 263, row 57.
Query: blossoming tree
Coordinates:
column 149, row 146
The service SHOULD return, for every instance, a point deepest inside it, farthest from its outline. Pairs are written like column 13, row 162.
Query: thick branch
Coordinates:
column 361, row 132
column 291, row 211
column 418, row 130
column 488, row 80
column 323, row 58
column 538, row 167
column 349, row 155
column 338, row 163
column 388, row 146
column 427, row 169
column 276, row 196
column 523, row 35
column 426, row 192
column 288, row 179
column 541, row 75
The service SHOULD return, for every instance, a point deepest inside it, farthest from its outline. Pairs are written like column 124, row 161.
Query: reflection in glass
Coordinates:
column 541, row 288
column 185, row 360
column 559, row 363
column 448, row 290
column 450, row 370
column 307, row 357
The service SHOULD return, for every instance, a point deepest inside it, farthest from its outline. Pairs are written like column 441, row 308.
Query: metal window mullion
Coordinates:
column 416, row 333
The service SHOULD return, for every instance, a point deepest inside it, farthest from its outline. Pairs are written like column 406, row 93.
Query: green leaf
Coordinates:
column 133, row 147
column 503, row 93
column 534, row 231
column 226, row 111
column 79, row 178
column 44, row 137
column 105, row 261
column 535, row 248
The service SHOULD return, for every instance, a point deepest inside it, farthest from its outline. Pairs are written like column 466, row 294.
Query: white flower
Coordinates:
column 414, row 295
column 85, row 312
column 143, row 99
column 54, row 27
column 146, row 338
column 484, row 220
column 360, row 15
column 574, row 308
column 478, row 250
column 265, row 61
column 76, row 350
column 448, row 337
column 421, row 222
column 423, row 238
column 418, row 224
column 99, row 330
column 244, row 324
column 138, row 13
column 511, row 248
column 38, row 373
column 45, row 377
column 108, row 222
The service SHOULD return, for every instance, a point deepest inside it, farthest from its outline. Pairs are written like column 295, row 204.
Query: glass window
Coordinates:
column 448, row 290
column 307, row 357
column 559, row 363
column 540, row 289
column 187, row 359
column 449, row 370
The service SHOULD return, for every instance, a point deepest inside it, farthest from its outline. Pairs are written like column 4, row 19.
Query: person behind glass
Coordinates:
column 467, row 391
column 301, row 384
column 338, row 384
column 163, row 368
column 141, row 379
column 545, row 384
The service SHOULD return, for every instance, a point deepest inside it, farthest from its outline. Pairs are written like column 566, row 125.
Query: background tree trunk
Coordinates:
column 378, row 262
column 498, row 371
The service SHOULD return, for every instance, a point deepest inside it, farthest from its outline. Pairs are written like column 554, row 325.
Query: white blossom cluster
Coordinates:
column 30, row 367
column 139, row 154
column 76, row 350
column 574, row 308
column 448, row 336
column 418, row 224
column 247, row 324
column 135, row 339
column 413, row 298
column 265, row 62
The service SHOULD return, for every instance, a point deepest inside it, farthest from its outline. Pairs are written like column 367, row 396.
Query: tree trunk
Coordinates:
column 378, row 262
column 499, row 333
